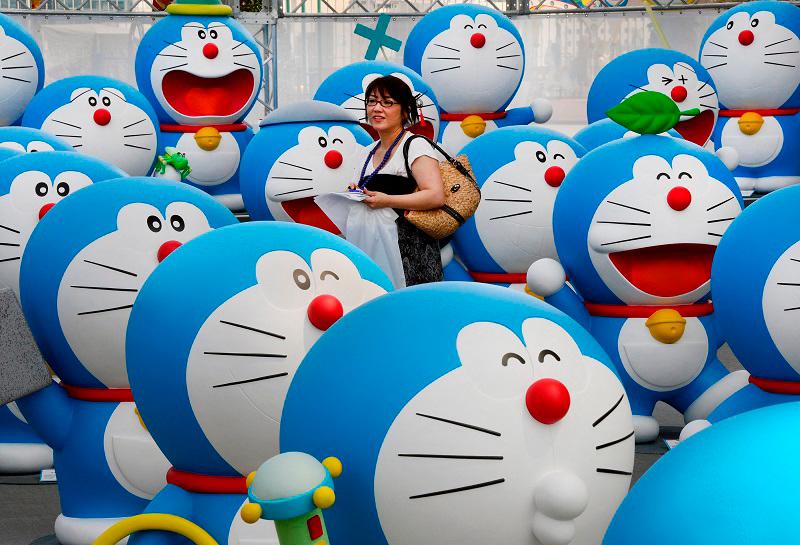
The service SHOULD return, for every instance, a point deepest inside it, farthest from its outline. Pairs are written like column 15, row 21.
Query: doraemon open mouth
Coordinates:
column 195, row 96
column 666, row 271
column 697, row 129
column 307, row 212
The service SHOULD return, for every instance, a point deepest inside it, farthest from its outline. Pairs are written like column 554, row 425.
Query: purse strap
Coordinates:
column 455, row 162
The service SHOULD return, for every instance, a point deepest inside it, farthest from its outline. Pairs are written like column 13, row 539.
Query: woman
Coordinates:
column 382, row 176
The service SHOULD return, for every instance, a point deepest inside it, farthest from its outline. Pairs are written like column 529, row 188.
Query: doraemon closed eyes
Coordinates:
column 303, row 150
column 488, row 417
column 670, row 73
column 753, row 51
column 22, row 69
column 212, row 396
column 637, row 244
column 345, row 87
column 520, row 170
column 473, row 58
column 27, row 140
column 99, row 116
column 84, row 264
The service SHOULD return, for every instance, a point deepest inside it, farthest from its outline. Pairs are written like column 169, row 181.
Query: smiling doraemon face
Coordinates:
column 210, row 72
column 754, row 58
column 652, row 239
column 22, row 70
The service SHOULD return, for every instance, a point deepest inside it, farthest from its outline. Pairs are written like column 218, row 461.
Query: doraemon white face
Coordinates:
column 245, row 355
column 207, row 76
column 781, row 304
column 100, row 284
column 31, row 195
column 681, row 84
column 474, row 66
column 515, row 216
column 20, row 76
column 105, row 125
column 321, row 162
column 753, row 61
column 652, row 239
column 472, row 446
column 31, row 147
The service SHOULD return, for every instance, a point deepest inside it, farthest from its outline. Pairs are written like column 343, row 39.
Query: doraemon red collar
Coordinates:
column 444, row 116
column 206, row 484
column 645, row 311
column 774, row 112
column 773, row 386
column 499, row 278
column 228, row 127
column 98, row 394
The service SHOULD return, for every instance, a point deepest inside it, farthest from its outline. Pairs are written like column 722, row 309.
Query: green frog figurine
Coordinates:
column 173, row 165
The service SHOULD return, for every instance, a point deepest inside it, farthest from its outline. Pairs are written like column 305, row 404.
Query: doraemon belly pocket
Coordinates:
column 659, row 366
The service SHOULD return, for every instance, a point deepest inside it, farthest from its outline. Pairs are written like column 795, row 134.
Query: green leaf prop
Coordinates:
column 648, row 112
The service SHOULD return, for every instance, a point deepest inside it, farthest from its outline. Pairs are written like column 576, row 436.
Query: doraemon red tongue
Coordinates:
column 195, row 96
column 697, row 129
column 666, row 271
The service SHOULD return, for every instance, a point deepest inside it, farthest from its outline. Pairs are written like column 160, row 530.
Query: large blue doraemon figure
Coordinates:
column 753, row 52
column 22, row 69
column 668, row 72
column 606, row 130
column 519, row 170
column 302, row 150
column 637, row 244
column 82, row 269
column 99, row 116
column 500, row 422
column 345, row 87
column 735, row 483
column 202, row 71
column 473, row 58
column 212, row 396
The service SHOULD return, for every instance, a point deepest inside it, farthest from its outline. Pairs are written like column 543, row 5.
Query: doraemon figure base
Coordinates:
column 22, row 70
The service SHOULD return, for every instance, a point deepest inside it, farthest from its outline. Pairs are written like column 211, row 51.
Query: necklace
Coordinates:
column 364, row 181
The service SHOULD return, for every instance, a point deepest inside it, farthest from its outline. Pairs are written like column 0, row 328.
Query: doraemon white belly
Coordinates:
column 453, row 137
column 758, row 149
column 133, row 457
column 210, row 168
column 658, row 366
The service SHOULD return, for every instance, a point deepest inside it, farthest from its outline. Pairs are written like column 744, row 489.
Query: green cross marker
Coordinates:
column 378, row 37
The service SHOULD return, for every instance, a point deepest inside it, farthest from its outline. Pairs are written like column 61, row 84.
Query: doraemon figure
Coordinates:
column 636, row 224
column 345, row 87
column 303, row 150
column 84, row 264
column 27, row 140
column 734, row 484
column 753, row 52
column 670, row 73
column 22, row 70
column 212, row 396
column 99, row 116
column 519, row 170
column 202, row 71
column 473, row 58
column 606, row 130
column 487, row 417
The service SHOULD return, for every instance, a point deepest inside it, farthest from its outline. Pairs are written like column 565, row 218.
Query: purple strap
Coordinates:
column 364, row 181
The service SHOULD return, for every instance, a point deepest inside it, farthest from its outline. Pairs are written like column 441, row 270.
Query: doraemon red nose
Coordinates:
column 210, row 51
column 547, row 400
column 553, row 176
column 679, row 93
column 477, row 40
column 679, row 198
column 333, row 159
column 45, row 209
column 102, row 117
column 746, row 37
column 324, row 310
column 167, row 248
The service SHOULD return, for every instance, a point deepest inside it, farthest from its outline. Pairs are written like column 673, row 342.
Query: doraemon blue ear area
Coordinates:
column 28, row 140
column 756, row 285
column 668, row 72
column 107, row 236
column 212, row 394
column 345, row 87
column 23, row 70
column 198, row 66
column 607, row 130
column 99, row 116
column 302, row 150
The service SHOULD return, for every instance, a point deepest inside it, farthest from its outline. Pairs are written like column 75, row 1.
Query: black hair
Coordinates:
column 396, row 89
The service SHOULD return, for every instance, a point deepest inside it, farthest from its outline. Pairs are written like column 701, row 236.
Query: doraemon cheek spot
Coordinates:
column 345, row 87
column 27, row 140
column 101, row 117
column 302, row 150
column 499, row 404
column 23, row 70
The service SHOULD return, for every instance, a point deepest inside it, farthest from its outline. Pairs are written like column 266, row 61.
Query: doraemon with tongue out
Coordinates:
column 202, row 71
column 99, row 116
column 302, row 150
column 21, row 69
column 473, row 59
column 753, row 53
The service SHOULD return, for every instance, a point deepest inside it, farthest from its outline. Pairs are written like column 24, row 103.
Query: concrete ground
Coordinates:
column 29, row 509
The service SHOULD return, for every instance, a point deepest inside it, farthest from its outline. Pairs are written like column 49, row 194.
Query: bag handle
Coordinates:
column 455, row 162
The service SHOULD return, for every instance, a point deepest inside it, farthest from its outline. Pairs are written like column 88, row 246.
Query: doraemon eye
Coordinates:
column 495, row 359
column 556, row 351
column 729, row 26
column 285, row 280
column 684, row 176
column 301, row 279
column 337, row 140
column 663, row 176
column 545, row 353
column 154, row 223
column 754, row 23
column 511, row 356
column 323, row 142
column 541, row 156
column 62, row 188
column 665, row 80
column 186, row 219
column 106, row 101
column 337, row 275
column 328, row 274
column 468, row 27
column 70, row 181
column 481, row 25
column 42, row 188
column 38, row 145
column 92, row 101
column 177, row 223
column 558, row 156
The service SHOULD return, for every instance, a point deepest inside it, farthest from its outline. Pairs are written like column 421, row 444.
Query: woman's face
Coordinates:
column 382, row 117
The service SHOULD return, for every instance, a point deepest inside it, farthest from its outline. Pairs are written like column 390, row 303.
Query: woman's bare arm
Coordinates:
column 430, row 195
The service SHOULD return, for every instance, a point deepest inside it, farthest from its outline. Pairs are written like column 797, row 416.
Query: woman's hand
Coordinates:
column 376, row 199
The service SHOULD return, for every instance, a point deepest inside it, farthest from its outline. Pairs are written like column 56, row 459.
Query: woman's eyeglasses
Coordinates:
column 385, row 103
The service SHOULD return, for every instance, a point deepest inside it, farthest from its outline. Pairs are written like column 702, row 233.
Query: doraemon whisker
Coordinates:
column 720, row 219
column 788, row 283
column 77, row 145
column 766, row 62
column 715, row 234
column 30, row 66
column 451, row 456
column 512, row 185
column 356, row 108
column 608, row 412
column 629, row 207
column 102, row 310
column 504, row 46
column 509, row 67
column 708, row 95
column 614, row 442
column 290, row 178
column 461, row 424
column 9, row 244
column 237, row 45
column 243, row 65
column 716, row 66
column 9, row 259
column 613, row 471
column 295, row 166
column 17, row 79
column 720, row 204
column 459, row 489
column 174, row 67
column 9, row 229
column 704, row 84
column 255, row 329
column 626, row 240
column 12, row 56
column 626, row 223
column 793, row 259
column 354, row 96
column 294, row 191
column 719, row 45
column 175, row 45
column 508, row 200
column 508, row 56
column 68, row 124
column 132, row 124
column 446, row 47
column 137, row 147
column 246, row 354
column 133, row 135
column 445, row 69
column 175, row 56
column 709, row 106
column 637, row 87
column 267, row 377
column 775, row 43
column 69, row 135
column 782, row 53
column 245, row 54
column 791, row 308
column 512, row 215
column 104, row 288
column 723, row 56
column 109, row 267
column 444, row 58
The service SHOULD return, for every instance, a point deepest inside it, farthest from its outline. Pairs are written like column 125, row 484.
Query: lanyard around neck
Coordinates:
column 362, row 181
